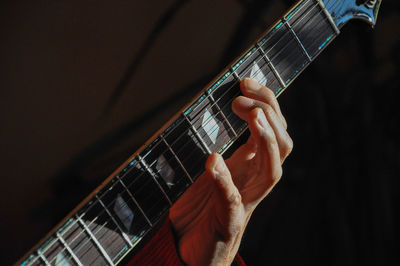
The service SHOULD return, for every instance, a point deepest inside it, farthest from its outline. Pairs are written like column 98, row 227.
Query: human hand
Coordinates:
column 210, row 218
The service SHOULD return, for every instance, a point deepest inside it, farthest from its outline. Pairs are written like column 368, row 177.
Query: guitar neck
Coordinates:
column 114, row 218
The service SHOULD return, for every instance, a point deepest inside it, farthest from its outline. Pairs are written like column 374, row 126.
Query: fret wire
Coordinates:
column 199, row 138
column 332, row 23
column 94, row 239
column 271, row 66
column 55, row 241
column 182, row 147
column 31, row 261
column 140, row 175
column 287, row 32
column 234, row 74
column 237, row 94
column 174, row 154
column 303, row 49
column 215, row 102
column 67, row 247
column 259, row 48
column 126, row 238
column 93, row 233
column 150, row 171
column 333, row 35
column 195, row 131
column 84, row 244
column 214, row 128
column 177, row 159
column 189, row 154
column 134, row 200
column 222, row 114
column 235, row 124
column 43, row 258
column 271, row 59
column 274, row 71
column 328, row 16
column 214, row 115
column 306, row 15
column 155, row 162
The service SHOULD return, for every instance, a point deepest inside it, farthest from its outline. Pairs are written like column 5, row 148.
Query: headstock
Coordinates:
column 345, row 10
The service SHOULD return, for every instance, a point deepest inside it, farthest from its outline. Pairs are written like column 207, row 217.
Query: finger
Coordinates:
column 243, row 106
column 255, row 90
column 230, row 213
column 217, row 168
column 244, row 153
column 239, row 161
column 268, row 150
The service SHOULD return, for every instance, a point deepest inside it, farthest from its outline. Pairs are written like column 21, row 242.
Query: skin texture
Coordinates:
column 210, row 218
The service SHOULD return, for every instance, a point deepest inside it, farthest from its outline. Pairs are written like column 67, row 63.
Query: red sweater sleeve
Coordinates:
column 161, row 250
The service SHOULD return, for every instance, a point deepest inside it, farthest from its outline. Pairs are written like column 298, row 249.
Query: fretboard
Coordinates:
column 117, row 215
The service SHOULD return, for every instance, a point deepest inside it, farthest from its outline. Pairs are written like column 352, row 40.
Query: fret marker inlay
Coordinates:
column 165, row 171
column 257, row 74
column 125, row 207
column 124, row 213
column 61, row 260
column 210, row 126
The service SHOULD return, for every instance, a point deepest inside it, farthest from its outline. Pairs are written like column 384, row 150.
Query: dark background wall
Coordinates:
column 84, row 83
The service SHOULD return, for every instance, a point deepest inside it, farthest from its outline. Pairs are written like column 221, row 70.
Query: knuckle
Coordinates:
column 288, row 146
column 269, row 96
column 236, row 228
column 276, row 175
column 235, row 198
column 268, row 110
column 269, row 93
column 271, row 139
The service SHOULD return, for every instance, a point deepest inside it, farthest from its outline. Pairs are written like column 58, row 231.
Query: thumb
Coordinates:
column 221, row 175
column 229, row 210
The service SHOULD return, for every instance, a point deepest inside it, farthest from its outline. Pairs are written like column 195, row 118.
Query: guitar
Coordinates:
column 116, row 218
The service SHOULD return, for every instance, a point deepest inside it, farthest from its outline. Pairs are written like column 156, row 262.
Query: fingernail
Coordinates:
column 251, row 84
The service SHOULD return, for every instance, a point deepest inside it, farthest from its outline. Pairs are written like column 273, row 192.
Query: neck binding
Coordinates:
column 115, row 217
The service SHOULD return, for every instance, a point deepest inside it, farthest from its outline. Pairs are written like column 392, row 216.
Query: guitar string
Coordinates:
column 206, row 122
column 219, row 112
column 102, row 212
column 232, row 85
column 82, row 231
column 95, row 231
column 235, row 82
column 264, row 78
column 184, row 134
column 218, row 100
column 86, row 236
column 247, row 70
